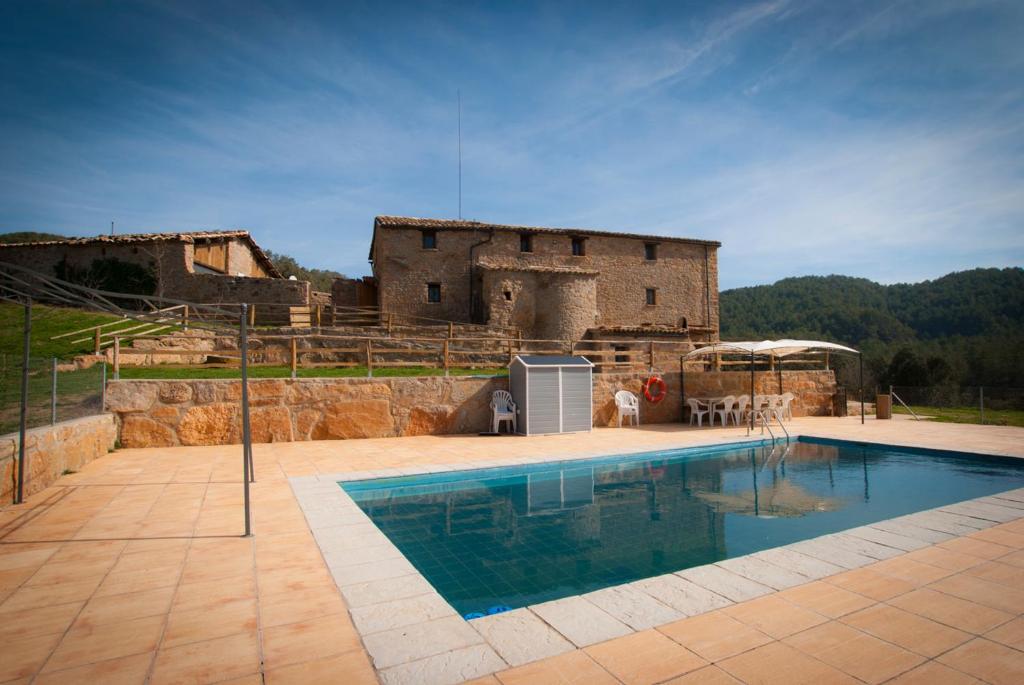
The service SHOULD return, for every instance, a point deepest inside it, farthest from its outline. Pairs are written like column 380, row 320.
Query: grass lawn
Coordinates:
column 181, row 372
column 994, row 417
column 46, row 323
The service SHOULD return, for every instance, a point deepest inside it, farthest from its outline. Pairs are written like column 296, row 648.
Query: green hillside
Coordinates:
column 966, row 328
column 29, row 237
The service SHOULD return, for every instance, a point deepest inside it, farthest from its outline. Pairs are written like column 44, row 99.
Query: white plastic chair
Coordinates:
column 627, row 404
column 787, row 404
column 725, row 409
column 696, row 412
column 503, row 409
column 740, row 412
column 774, row 408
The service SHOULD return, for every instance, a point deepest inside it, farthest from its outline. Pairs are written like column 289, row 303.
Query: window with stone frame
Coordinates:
column 579, row 247
column 652, row 296
column 650, row 251
column 429, row 239
column 434, row 292
column 525, row 242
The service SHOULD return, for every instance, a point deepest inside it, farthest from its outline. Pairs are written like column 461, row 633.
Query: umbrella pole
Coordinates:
column 751, row 426
column 861, row 357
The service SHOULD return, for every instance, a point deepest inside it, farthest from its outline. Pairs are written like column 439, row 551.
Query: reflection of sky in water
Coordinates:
column 523, row 535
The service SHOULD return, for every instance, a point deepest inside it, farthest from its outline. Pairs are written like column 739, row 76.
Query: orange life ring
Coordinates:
column 655, row 381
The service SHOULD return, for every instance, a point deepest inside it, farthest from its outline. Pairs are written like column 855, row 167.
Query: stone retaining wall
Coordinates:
column 206, row 412
column 52, row 450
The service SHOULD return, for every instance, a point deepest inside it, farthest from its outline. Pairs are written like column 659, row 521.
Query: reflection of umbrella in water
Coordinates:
column 783, row 499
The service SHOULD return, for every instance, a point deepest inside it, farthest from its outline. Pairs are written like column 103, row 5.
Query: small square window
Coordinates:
column 525, row 242
column 433, row 292
column 652, row 296
column 429, row 240
column 579, row 247
column 508, row 295
column 650, row 251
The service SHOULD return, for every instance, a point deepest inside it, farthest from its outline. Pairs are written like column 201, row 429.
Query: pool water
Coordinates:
column 511, row 537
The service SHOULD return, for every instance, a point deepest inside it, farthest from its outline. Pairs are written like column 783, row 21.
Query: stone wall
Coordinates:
column 52, row 450
column 173, row 265
column 546, row 305
column 684, row 274
column 206, row 412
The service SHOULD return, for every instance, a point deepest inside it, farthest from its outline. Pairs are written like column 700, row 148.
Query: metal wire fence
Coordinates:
column 57, row 391
column 963, row 404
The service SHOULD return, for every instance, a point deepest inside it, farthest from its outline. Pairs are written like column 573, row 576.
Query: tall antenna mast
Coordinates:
column 459, row 92
column 111, row 228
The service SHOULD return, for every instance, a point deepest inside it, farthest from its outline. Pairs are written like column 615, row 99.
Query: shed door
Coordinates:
column 542, row 401
column 576, row 398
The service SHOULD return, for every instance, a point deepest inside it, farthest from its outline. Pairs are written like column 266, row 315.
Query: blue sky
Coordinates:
column 883, row 140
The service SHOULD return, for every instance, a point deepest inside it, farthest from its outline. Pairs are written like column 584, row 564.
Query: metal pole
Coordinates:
column 981, row 400
column 23, row 423
column 861, row 357
column 243, row 335
column 53, row 392
column 682, row 391
column 752, row 407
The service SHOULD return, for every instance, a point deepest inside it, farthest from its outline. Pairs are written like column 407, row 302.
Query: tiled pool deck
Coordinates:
column 133, row 571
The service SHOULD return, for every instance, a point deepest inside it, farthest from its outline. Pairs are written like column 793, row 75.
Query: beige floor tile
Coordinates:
column 88, row 644
column 855, row 653
column 48, row 595
column 308, row 640
column 998, row 572
column 915, row 572
column 994, row 663
column 22, row 658
column 216, row 620
column 292, row 607
column 351, row 668
column 976, row 547
column 1010, row 634
column 934, row 673
column 19, row 624
column 826, row 599
column 119, row 608
column 1000, row 536
column 774, row 616
column 779, row 664
column 952, row 611
column 1015, row 559
column 709, row 675
column 129, row 670
column 972, row 588
column 197, row 595
column 571, row 668
column 715, row 636
column 871, row 584
column 908, row 630
column 644, row 657
column 950, row 559
column 209, row 661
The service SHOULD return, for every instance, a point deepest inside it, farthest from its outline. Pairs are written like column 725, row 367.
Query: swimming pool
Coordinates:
column 511, row 537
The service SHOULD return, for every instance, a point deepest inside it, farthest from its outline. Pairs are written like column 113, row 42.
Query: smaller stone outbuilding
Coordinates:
column 197, row 266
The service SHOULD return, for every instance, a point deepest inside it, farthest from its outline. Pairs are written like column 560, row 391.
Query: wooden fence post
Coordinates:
column 96, row 340
column 650, row 354
column 252, row 315
column 117, row 358
column 184, row 318
column 369, row 358
column 318, row 315
column 451, row 329
column 446, row 362
column 510, row 355
column 295, row 356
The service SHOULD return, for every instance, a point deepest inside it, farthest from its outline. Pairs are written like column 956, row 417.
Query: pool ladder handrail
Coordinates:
column 766, row 424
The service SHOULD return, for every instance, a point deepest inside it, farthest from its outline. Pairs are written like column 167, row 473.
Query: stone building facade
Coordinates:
column 550, row 283
column 203, row 267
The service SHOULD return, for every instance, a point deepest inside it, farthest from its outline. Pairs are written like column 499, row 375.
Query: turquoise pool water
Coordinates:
column 510, row 537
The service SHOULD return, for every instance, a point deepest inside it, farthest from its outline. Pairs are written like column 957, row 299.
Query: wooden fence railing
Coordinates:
column 441, row 353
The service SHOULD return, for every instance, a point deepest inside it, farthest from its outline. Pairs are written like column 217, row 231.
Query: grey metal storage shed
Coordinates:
column 552, row 394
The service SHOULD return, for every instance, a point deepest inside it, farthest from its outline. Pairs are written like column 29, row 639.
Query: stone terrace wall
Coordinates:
column 51, row 450
column 206, row 412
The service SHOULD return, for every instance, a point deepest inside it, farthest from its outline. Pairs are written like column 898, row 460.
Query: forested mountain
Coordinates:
column 966, row 328
column 29, row 237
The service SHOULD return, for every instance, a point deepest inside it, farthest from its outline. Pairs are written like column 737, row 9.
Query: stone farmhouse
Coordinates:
column 550, row 283
column 199, row 266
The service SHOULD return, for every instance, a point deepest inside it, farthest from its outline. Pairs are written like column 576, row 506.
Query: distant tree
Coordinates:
column 29, row 237
column 320, row 279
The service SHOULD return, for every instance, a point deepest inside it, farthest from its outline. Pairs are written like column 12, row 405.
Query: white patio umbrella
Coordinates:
column 778, row 348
